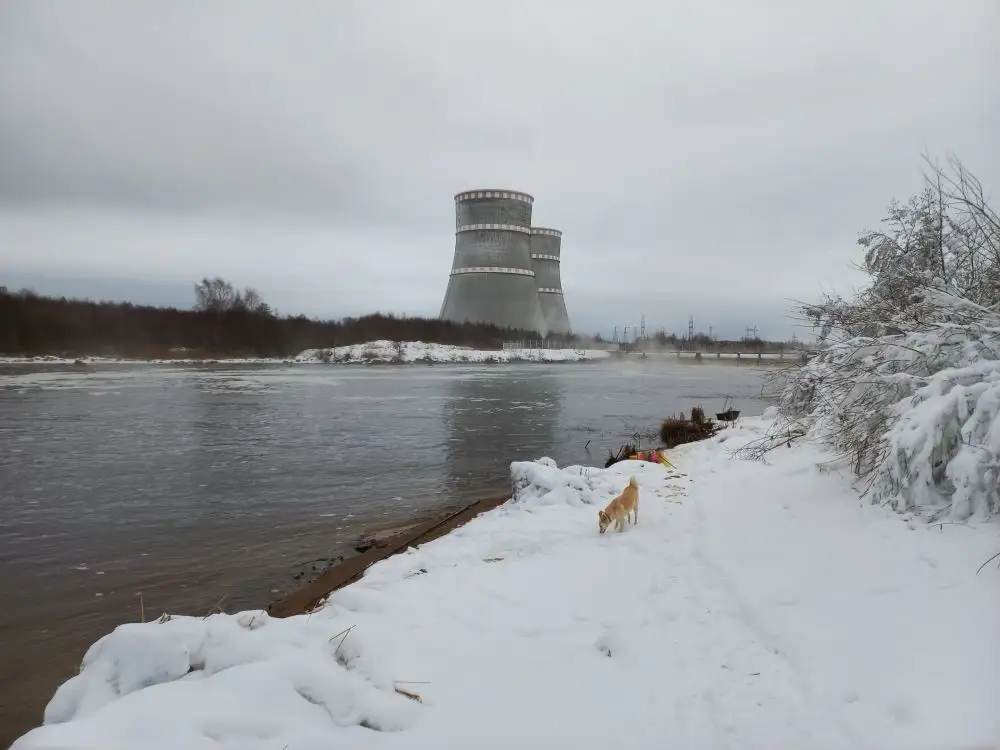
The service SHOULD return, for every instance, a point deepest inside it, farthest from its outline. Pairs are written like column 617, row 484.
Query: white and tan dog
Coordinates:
column 622, row 508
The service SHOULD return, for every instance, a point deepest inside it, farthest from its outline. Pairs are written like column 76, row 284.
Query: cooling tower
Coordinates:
column 546, row 247
column 492, row 277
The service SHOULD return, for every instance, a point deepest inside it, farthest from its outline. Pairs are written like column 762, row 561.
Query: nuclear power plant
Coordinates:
column 505, row 271
column 546, row 244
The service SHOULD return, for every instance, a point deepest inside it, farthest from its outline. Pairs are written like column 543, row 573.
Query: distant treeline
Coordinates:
column 225, row 322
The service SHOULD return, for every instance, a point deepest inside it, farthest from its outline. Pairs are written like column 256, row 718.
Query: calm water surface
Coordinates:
column 190, row 484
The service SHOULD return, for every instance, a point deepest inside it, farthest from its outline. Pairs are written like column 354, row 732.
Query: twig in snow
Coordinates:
column 987, row 562
column 343, row 637
column 942, row 524
column 315, row 609
column 408, row 694
column 142, row 609
column 217, row 607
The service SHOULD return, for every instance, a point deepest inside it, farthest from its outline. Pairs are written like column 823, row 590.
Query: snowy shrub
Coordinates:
column 906, row 385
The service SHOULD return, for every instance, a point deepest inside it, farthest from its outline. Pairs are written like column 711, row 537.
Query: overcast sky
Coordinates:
column 705, row 158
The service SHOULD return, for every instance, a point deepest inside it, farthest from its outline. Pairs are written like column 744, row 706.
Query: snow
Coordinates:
column 918, row 410
column 384, row 351
column 755, row 604
column 372, row 352
column 944, row 445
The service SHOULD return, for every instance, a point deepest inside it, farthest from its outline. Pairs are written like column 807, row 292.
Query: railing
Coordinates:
column 538, row 344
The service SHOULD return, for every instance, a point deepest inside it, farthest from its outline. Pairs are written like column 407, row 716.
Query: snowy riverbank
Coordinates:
column 372, row 352
column 754, row 605
column 405, row 352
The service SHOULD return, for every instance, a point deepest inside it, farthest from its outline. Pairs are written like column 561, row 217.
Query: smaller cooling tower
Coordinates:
column 546, row 248
column 492, row 279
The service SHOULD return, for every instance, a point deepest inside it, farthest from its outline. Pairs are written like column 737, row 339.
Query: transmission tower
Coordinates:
column 690, row 327
column 642, row 327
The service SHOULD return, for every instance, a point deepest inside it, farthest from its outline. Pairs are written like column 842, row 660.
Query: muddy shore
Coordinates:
column 37, row 662
column 376, row 545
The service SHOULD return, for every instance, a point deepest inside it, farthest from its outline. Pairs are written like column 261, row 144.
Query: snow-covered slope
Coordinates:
column 754, row 605
column 417, row 351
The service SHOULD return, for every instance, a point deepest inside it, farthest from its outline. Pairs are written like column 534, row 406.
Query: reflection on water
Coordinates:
column 494, row 418
column 187, row 484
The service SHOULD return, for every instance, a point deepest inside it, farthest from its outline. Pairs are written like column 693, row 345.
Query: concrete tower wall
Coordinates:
column 492, row 273
column 546, row 255
column 493, row 207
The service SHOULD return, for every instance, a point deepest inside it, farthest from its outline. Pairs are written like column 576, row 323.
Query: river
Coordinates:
column 138, row 488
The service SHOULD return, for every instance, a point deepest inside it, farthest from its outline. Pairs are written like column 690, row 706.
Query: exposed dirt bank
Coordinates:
column 383, row 543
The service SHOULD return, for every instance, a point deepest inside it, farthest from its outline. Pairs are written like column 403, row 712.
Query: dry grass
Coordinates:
column 677, row 430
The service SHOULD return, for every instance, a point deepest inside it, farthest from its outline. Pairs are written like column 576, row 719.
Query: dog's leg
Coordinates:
column 636, row 511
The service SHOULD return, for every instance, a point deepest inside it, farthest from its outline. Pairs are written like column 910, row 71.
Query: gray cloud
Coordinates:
column 312, row 149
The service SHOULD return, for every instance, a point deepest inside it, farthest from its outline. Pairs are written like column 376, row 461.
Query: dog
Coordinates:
column 622, row 508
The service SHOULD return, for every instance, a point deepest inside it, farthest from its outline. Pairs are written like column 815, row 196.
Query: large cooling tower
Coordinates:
column 492, row 276
column 546, row 247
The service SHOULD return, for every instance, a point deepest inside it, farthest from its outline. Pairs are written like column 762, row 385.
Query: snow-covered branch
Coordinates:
column 907, row 386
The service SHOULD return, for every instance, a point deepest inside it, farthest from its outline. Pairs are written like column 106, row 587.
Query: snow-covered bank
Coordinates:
column 50, row 359
column 372, row 352
column 754, row 605
column 381, row 352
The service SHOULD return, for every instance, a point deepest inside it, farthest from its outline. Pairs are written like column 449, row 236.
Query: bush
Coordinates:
column 906, row 387
column 676, row 430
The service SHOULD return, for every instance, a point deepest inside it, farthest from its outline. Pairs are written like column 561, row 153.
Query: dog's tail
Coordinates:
column 633, row 483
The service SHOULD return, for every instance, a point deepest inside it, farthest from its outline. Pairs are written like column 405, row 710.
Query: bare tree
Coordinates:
column 253, row 301
column 219, row 295
column 215, row 295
